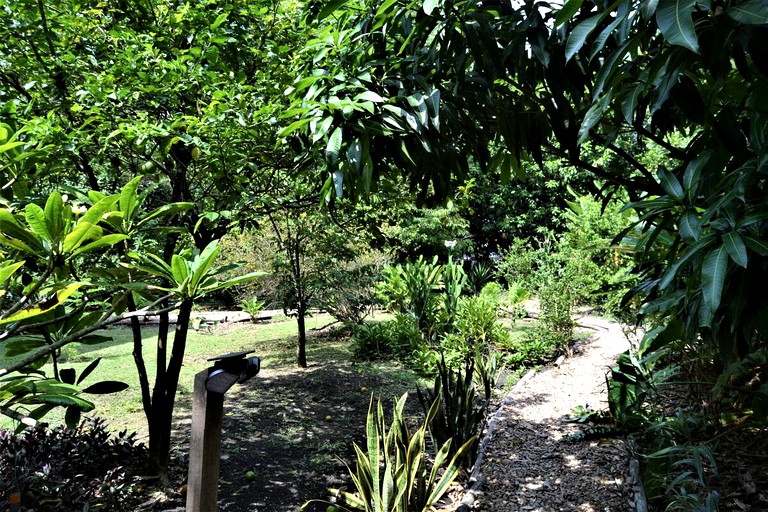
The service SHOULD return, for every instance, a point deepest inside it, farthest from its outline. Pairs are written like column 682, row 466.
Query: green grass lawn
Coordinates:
column 274, row 343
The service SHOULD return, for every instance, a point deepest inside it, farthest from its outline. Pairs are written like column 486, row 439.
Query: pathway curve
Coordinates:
column 530, row 465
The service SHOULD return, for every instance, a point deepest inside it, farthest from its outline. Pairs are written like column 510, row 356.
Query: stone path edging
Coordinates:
column 476, row 479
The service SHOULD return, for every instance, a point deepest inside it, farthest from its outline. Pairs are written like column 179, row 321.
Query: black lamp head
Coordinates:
column 229, row 369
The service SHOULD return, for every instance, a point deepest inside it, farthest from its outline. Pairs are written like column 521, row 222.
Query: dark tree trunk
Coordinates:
column 164, row 393
column 301, row 354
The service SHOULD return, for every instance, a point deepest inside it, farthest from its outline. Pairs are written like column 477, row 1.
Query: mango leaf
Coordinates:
column 330, row 7
column 751, row 12
column 105, row 387
column 579, row 35
column 10, row 145
column 369, row 96
column 736, row 249
column 65, row 400
column 758, row 245
column 570, row 8
column 713, row 271
column 429, row 5
column 333, row 147
column 648, row 8
column 221, row 18
column 354, row 156
column 293, row 127
column 670, row 184
column 690, row 228
column 675, row 23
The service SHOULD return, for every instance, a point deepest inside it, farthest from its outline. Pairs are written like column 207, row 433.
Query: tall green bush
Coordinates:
column 392, row 470
column 412, row 288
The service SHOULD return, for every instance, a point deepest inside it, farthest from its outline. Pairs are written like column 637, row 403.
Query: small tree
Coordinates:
column 54, row 295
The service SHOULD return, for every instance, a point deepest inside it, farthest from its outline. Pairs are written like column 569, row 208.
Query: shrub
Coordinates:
column 476, row 329
column 397, row 338
column 412, row 288
column 481, row 274
column 350, row 293
column 535, row 348
column 70, row 469
column 391, row 472
column 460, row 413
column 253, row 307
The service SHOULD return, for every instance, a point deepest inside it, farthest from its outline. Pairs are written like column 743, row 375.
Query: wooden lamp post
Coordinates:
column 207, row 414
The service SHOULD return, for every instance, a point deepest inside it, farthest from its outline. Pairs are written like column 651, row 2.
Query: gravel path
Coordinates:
column 529, row 465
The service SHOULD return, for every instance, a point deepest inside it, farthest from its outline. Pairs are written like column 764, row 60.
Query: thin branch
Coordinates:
column 106, row 320
column 46, row 30
column 13, row 82
column 674, row 151
column 16, row 415
column 626, row 156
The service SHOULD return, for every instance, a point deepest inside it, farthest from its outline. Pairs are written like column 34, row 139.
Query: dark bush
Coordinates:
column 64, row 469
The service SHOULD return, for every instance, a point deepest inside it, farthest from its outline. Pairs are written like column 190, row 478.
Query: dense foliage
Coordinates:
column 62, row 469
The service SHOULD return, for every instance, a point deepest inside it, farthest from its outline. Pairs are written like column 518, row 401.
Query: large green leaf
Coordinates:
column 670, row 183
column 751, row 12
column 713, row 271
column 167, row 209
column 570, row 8
column 333, row 147
column 16, row 235
column 676, row 24
column 579, row 34
column 201, row 265
column 129, row 199
column 36, row 219
column 83, row 232
column 100, row 243
column 690, row 227
column 54, row 215
column 180, row 270
column 221, row 285
column 95, row 213
column 759, row 245
column 8, row 269
column 45, row 305
column 736, row 249
column 64, row 400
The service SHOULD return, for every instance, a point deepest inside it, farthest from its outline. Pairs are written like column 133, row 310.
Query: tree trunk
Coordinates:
column 164, row 394
column 300, row 320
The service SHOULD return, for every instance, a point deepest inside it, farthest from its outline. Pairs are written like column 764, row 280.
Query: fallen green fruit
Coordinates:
column 250, row 476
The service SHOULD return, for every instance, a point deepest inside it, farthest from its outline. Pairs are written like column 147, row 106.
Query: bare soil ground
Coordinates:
column 293, row 428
